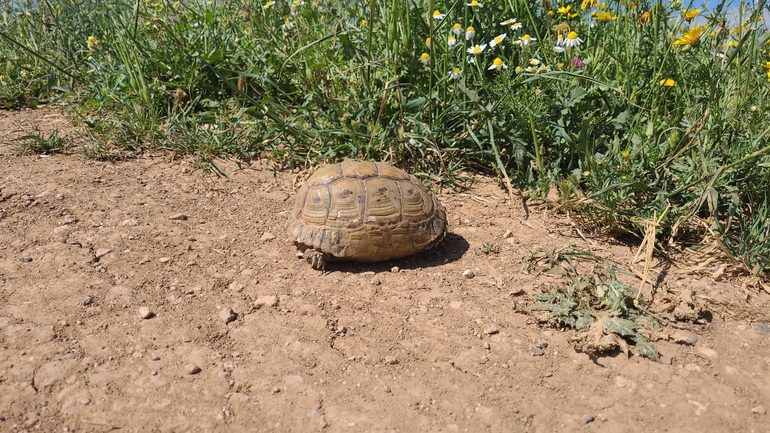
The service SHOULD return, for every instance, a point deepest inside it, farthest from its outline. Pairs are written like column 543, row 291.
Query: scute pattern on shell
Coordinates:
column 365, row 211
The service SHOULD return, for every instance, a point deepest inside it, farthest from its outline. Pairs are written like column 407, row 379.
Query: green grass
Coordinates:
column 347, row 79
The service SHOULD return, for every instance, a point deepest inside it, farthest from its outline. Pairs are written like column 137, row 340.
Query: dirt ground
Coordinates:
column 116, row 279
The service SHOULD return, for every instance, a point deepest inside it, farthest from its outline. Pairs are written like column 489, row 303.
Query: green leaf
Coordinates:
column 645, row 348
column 623, row 327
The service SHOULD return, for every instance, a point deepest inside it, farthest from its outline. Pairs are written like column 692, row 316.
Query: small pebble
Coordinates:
column 178, row 217
column 759, row 410
column 145, row 312
column 684, row 337
column 227, row 315
column 276, row 390
column 70, row 219
column 394, row 269
column 375, row 281
column 537, row 351
column 468, row 274
column 491, row 329
column 391, row 360
column 25, row 259
column 266, row 301
column 88, row 300
column 587, row 419
column 31, row 419
column 192, row 369
column 101, row 252
column 164, row 259
column 267, row 237
column 507, row 234
column 155, row 358
column 707, row 352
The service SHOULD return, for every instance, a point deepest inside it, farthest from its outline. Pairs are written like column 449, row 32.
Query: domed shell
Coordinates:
column 366, row 212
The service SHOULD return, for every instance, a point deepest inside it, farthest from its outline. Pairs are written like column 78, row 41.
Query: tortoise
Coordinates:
column 365, row 212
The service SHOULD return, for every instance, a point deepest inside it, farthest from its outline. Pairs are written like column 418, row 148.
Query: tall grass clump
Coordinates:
column 627, row 111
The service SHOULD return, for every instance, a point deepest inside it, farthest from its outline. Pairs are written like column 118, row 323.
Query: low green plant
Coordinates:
column 610, row 312
column 37, row 143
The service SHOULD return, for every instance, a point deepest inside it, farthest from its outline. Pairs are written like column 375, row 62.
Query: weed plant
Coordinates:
column 625, row 108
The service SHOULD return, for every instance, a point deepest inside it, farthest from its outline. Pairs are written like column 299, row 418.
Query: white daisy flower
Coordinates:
column 498, row 64
column 455, row 73
column 497, row 41
column 470, row 32
column 437, row 15
column 477, row 49
column 572, row 40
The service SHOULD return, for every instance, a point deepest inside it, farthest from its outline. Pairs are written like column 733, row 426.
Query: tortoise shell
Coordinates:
column 366, row 212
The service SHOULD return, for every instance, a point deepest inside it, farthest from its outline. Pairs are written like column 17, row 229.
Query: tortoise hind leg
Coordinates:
column 317, row 259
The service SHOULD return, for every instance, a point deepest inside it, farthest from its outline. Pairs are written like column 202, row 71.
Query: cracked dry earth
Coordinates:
column 146, row 295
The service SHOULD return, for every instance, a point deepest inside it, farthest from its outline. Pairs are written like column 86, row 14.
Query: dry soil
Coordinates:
column 149, row 295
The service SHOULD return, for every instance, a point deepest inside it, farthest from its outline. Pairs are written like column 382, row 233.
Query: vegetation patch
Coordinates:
column 626, row 110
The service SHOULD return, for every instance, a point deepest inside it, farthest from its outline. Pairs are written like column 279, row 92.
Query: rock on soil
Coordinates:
column 227, row 315
column 684, row 337
column 145, row 312
column 266, row 301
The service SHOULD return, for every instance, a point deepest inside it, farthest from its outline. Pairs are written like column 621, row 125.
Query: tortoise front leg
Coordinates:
column 317, row 259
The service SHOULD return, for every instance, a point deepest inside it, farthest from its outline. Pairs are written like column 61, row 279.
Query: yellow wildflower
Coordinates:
column 603, row 16
column 667, row 82
column 92, row 43
column 587, row 4
column 564, row 10
column 691, row 37
column 690, row 14
column 645, row 17
column 625, row 154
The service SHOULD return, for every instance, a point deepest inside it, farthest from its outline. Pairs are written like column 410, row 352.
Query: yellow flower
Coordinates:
column 691, row 37
column 363, row 22
column 92, row 43
column 437, row 15
column 645, row 17
column 428, row 42
column 690, row 14
column 730, row 44
column 268, row 4
column 457, row 29
column 768, row 75
column 572, row 16
column 767, row 65
column 564, row 10
column 667, row 82
column 475, row 4
column 625, row 154
column 425, row 58
column 603, row 16
column 587, row 4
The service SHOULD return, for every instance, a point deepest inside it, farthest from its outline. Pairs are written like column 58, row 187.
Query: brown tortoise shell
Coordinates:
column 366, row 212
